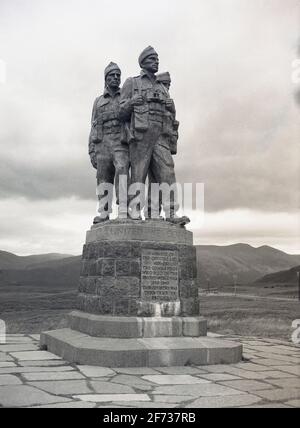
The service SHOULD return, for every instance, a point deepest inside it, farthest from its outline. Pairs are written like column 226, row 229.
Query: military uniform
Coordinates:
column 154, row 210
column 105, row 144
column 148, row 132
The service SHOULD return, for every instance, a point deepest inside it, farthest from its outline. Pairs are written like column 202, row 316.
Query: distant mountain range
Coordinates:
column 216, row 263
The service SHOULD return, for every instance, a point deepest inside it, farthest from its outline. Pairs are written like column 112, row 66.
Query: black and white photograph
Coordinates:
column 149, row 207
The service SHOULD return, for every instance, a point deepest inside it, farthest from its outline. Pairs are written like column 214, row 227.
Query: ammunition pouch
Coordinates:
column 107, row 116
column 168, row 125
column 99, row 131
column 126, row 134
column 174, row 138
column 141, row 118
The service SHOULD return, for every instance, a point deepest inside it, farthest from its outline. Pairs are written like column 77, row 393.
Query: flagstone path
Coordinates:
column 269, row 376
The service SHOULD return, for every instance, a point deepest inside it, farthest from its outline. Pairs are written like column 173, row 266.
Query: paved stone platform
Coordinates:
column 269, row 376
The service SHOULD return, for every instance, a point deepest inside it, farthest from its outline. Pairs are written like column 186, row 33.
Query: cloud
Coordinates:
column 230, row 62
column 34, row 227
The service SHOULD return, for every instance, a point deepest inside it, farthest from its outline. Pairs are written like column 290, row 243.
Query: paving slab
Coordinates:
column 113, row 397
column 200, row 390
column 35, row 336
column 179, row 370
column 293, row 403
column 18, row 339
column 69, row 405
column 250, row 356
column 217, row 377
column 252, row 367
column 144, row 404
column 267, row 406
column 19, row 347
column 286, row 383
column 16, row 335
column 287, row 359
column 224, row 402
column 246, row 374
column 44, row 363
column 280, row 350
column 18, row 369
column 24, row 395
column 279, row 394
column 63, row 387
column 247, row 385
column 9, row 380
column 173, row 399
column 134, row 381
column 271, row 362
column 110, row 388
column 295, row 370
column 215, row 368
column 175, row 380
column 112, row 406
column 34, row 355
column 67, row 375
column 7, row 364
column 5, row 357
column 136, row 370
column 94, row 371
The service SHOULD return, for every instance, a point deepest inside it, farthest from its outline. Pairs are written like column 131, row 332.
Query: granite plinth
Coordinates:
column 139, row 268
column 139, row 230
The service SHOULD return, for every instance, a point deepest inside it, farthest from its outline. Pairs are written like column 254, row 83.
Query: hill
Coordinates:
column 282, row 277
column 50, row 273
column 12, row 261
column 219, row 264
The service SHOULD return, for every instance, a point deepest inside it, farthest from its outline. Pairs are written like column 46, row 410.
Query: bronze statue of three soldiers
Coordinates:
column 134, row 134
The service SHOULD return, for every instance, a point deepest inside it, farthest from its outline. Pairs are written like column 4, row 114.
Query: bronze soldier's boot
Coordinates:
column 181, row 221
column 99, row 219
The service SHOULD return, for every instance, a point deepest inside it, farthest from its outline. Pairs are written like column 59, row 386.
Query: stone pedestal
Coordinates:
column 137, row 268
column 138, row 301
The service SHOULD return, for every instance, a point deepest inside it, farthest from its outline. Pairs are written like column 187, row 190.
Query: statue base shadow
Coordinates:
column 138, row 303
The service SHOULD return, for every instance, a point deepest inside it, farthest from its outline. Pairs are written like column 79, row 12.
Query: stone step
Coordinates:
column 136, row 327
column 81, row 348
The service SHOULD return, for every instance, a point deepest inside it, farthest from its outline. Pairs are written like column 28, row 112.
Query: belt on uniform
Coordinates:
column 114, row 130
column 111, row 127
column 154, row 117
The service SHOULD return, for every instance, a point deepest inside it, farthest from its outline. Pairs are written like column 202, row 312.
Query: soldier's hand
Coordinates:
column 93, row 158
column 137, row 100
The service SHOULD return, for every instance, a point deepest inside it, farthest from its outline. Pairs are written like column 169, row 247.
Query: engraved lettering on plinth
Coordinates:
column 159, row 276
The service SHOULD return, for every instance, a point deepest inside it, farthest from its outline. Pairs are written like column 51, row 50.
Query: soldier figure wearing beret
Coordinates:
column 108, row 154
column 144, row 105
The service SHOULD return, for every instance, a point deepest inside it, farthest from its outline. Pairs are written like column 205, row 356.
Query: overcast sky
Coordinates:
column 231, row 65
